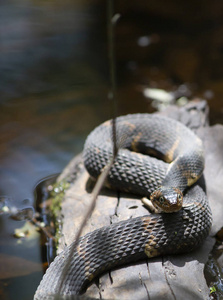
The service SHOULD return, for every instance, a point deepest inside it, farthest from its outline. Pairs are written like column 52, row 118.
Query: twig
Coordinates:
column 101, row 179
column 112, row 95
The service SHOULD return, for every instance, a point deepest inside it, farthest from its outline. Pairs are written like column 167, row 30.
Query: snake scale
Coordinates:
column 158, row 158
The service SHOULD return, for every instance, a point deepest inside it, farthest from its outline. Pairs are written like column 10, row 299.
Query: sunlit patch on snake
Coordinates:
column 184, row 220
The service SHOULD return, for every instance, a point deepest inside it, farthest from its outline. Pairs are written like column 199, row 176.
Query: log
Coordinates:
column 167, row 277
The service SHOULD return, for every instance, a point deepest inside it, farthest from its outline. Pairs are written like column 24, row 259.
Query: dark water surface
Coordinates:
column 54, row 82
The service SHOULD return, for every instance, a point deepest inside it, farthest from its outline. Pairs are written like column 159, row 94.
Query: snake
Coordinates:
column 158, row 158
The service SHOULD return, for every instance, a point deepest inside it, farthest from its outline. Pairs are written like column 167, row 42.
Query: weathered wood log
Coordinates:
column 168, row 277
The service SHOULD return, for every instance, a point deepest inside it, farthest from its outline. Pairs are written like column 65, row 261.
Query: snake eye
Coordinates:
column 179, row 197
column 161, row 199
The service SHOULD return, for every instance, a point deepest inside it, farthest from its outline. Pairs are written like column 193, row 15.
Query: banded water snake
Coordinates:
column 139, row 136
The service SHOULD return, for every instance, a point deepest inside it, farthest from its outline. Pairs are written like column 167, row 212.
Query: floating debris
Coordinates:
column 28, row 230
column 161, row 99
column 159, row 95
column 22, row 214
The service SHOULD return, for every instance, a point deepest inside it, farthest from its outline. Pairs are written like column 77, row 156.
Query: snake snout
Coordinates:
column 167, row 199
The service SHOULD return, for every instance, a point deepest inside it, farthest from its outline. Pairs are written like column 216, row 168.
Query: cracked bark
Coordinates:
column 172, row 277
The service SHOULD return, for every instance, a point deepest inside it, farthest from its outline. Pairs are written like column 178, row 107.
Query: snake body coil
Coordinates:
column 164, row 182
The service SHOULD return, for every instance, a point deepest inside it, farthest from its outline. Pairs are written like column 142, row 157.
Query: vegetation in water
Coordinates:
column 56, row 195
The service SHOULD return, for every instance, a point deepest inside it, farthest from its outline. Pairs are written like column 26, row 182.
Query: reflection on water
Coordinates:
column 54, row 83
column 53, row 92
column 42, row 42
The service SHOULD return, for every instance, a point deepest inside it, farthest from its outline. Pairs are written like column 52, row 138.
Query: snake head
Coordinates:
column 167, row 199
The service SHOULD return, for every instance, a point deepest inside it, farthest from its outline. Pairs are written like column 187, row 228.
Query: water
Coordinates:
column 54, row 85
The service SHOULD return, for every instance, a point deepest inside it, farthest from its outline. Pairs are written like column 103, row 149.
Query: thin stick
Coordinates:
column 112, row 95
column 101, row 179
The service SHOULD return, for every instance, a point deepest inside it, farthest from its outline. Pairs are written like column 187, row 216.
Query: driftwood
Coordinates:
column 168, row 277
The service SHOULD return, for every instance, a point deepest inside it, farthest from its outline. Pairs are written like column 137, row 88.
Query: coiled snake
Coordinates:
column 170, row 184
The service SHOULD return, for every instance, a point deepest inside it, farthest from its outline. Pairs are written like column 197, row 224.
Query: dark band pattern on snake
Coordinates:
column 158, row 158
